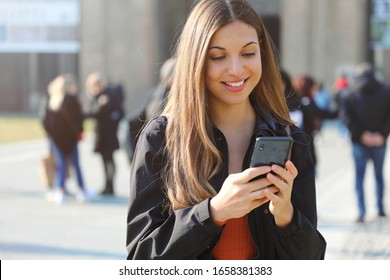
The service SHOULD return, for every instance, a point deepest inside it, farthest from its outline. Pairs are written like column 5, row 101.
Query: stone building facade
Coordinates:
column 128, row 40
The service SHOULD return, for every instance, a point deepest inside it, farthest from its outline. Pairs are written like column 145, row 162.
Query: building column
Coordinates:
column 323, row 37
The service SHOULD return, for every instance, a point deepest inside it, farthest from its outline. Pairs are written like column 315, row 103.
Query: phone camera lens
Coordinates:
column 261, row 147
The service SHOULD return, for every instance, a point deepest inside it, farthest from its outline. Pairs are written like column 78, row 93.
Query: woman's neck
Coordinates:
column 237, row 124
column 234, row 118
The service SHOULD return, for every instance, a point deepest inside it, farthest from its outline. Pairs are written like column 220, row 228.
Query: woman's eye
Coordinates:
column 249, row 54
column 217, row 57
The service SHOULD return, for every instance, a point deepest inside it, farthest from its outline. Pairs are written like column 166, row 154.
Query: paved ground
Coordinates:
column 33, row 228
column 337, row 205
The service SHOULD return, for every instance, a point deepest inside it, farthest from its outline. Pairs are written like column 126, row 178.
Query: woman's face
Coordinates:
column 233, row 64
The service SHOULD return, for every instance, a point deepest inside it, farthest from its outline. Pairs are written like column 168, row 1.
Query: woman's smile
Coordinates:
column 235, row 86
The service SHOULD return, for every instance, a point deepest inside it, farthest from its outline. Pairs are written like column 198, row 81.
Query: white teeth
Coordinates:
column 236, row 84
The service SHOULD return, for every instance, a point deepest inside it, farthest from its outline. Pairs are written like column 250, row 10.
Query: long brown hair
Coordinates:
column 192, row 155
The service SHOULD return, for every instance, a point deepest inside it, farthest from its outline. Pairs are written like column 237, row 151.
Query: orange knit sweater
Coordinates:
column 236, row 241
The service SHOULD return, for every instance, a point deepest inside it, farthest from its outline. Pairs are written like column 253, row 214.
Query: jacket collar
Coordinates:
column 266, row 125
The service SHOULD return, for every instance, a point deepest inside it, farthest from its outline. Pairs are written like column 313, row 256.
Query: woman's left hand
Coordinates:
column 280, row 203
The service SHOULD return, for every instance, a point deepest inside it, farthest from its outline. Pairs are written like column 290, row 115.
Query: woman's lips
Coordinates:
column 235, row 86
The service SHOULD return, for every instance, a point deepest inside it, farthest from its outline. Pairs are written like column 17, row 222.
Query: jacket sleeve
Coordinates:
column 75, row 114
column 385, row 125
column 95, row 109
column 301, row 239
column 153, row 232
column 350, row 118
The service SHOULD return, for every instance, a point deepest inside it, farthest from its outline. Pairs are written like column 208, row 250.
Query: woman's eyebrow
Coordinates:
column 221, row 48
column 250, row 43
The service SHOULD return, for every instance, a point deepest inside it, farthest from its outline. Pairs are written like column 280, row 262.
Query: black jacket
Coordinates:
column 190, row 233
column 367, row 108
column 65, row 125
column 107, row 118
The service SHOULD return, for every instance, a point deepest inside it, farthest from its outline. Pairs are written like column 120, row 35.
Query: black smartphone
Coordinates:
column 271, row 150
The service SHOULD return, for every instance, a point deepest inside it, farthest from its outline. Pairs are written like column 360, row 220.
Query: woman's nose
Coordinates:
column 236, row 67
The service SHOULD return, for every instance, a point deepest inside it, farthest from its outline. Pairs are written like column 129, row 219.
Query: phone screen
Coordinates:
column 271, row 150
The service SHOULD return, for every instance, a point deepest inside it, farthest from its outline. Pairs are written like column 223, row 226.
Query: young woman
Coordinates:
column 191, row 191
column 63, row 122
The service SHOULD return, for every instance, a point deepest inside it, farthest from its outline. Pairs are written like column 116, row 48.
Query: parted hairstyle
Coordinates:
column 58, row 88
column 192, row 157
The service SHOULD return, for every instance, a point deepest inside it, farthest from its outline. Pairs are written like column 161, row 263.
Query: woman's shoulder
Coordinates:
column 70, row 99
column 156, row 125
column 152, row 136
column 299, row 136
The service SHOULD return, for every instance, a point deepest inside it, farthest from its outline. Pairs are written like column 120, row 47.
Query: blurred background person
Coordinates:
column 106, row 108
column 341, row 82
column 47, row 164
column 312, row 116
column 322, row 97
column 366, row 112
column 341, row 88
column 63, row 122
column 154, row 105
column 292, row 100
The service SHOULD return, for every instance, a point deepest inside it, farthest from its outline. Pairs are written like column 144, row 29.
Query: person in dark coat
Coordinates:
column 106, row 107
column 312, row 115
column 191, row 190
column 366, row 113
column 63, row 122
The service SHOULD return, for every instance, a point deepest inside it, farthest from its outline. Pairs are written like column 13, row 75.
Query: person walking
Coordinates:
column 63, row 122
column 366, row 113
column 191, row 189
column 106, row 107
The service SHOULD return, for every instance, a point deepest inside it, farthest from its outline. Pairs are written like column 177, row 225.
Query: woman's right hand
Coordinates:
column 239, row 195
